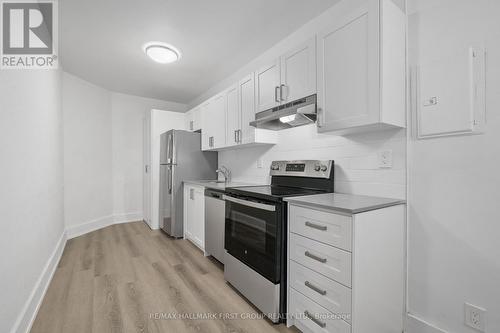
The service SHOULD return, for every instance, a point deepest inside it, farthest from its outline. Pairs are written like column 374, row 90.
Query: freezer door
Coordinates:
column 166, row 207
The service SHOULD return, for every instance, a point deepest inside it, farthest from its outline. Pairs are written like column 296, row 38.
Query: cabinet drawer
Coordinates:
column 302, row 308
column 329, row 228
column 331, row 295
column 327, row 260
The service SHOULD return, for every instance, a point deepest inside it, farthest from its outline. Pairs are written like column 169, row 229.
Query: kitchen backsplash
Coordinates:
column 357, row 159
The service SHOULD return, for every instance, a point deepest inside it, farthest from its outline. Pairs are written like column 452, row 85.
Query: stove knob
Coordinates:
column 317, row 167
column 323, row 168
column 275, row 167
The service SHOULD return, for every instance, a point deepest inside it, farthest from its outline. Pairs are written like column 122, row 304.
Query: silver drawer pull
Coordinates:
column 316, row 289
column 315, row 257
column 316, row 226
column 316, row 321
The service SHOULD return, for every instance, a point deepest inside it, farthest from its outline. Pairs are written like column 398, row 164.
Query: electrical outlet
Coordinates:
column 475, row 317
column 385, row 159
column 259, row 163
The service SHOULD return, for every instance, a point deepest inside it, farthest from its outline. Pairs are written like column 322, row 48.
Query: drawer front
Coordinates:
column 302, row 309
column 329, row 228
column 331, row 295
column 327, row 260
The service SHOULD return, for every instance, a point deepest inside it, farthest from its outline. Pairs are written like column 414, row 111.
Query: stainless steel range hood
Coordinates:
column 293, row 114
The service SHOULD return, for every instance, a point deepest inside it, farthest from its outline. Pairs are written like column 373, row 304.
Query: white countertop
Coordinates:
column 217, row 184
column 345, row 203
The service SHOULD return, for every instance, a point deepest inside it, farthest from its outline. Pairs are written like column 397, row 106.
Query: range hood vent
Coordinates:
column 293, row 114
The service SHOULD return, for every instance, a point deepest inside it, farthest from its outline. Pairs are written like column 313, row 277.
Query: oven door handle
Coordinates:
column 248, row 203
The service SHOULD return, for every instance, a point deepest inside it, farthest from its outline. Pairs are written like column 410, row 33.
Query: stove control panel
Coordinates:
column 305, row 168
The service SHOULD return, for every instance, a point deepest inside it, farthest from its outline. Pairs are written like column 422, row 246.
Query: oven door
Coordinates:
column 253, row 234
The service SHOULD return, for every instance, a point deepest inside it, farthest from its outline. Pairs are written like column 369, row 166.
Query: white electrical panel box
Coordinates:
column 449, row 95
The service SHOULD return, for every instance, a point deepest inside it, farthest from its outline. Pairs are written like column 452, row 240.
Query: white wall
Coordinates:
column 87, row 153
column 161, row 121
column 454, row 182
column 31, row 190
column 355, row 156
column 103, row 154
column 128, row 113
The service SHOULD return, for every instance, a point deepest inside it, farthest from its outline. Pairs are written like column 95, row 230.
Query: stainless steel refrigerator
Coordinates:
column 181, row 159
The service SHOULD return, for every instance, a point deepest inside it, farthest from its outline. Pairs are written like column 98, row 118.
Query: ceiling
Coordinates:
column 101, row 40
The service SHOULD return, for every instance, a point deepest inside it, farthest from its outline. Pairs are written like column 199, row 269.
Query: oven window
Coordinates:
column 252, row 236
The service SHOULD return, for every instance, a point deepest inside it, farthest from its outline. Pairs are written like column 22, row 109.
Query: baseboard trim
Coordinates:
column 102, row 222
column 28, row 314
column 84, row 228
column 127, row 217
column 415, row 324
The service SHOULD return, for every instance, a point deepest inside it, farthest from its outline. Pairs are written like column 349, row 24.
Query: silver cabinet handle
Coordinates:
column 239, row 136
column 191, row 126
column 276, row 94
column 316, row 321
column 191, row 194
column 316, row 226
column 236, row 136
column 316, row 289
column 315, row 257
column 281, row 92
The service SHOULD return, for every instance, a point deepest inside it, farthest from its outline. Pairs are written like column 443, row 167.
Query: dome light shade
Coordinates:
column 161, row 52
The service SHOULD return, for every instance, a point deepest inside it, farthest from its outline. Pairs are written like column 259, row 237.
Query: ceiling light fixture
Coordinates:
column 161, row 52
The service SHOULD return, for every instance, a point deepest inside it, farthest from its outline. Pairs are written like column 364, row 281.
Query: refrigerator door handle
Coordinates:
column 169, row 152
column 173, row 150
column 169, row 179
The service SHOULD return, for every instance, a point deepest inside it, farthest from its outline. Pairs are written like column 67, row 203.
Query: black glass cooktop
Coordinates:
column 271, row 192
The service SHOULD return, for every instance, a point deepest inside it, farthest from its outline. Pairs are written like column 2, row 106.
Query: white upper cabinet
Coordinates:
column 247, row 108
column 213, row 133
column 207, row 125
column 290, row 77
column 361, row 69
column 267, row 86
column 193, row 119
column 218, row 121
column 298, row 72
column 233, row 116
column 188, row 119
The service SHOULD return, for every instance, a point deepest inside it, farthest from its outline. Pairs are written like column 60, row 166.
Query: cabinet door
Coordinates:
column 196, row 119
column 198, row 221
column 188, row 211
column 298, row 72
column 348, row 70
column 247, row 108
column 218, row 121
column 233, row 121
column 206, row 127
column 267, row 81
column 189, row 120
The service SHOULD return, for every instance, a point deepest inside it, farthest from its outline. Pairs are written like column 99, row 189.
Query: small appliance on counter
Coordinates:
column 255, row 231
column 181, row 159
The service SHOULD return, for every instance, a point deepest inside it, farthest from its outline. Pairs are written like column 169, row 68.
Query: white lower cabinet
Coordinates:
column 194, row 214
column 311, row 317
column 346, row 271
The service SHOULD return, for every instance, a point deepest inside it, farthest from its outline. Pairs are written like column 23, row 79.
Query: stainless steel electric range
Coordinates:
column 255, row 231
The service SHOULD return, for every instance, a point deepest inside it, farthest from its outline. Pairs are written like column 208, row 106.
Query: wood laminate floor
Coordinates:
column 128, row 278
